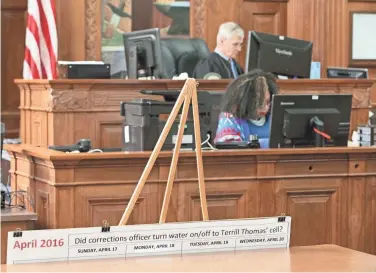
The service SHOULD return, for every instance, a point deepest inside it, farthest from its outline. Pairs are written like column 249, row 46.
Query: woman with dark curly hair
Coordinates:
column 245, row 108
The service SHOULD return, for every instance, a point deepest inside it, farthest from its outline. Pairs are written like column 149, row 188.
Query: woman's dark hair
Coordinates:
column 246, row 94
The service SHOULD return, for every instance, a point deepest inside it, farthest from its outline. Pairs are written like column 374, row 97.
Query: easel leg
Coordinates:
column 175, row 157
column 200, row 168
column 188, row 92
column 154, row 156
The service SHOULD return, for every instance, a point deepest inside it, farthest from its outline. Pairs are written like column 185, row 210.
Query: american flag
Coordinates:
column 41, row 41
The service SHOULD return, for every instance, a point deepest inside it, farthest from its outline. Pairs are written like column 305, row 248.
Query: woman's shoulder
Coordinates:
column 229, row 128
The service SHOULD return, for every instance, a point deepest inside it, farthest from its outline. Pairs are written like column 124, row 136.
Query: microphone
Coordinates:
column 83, row 146
column 212, row 76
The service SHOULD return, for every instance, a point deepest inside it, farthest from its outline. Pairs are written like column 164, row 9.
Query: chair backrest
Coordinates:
column 181, row 55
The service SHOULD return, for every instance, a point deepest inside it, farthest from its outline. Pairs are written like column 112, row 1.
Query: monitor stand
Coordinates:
column 281, row 77
column 138, row 52
column 149, row 58
column 284, row 77
column 132, row 65
column 319, row 125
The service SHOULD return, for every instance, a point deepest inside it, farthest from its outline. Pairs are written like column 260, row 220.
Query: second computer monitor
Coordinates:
column 280, row 55
column 143, row 53
column 347, row 73
column 310, row 120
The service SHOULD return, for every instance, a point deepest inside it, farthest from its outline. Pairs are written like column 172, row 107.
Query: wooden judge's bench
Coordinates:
column 60, row 112
column 330, row 193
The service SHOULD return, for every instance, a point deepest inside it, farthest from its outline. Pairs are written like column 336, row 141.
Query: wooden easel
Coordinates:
column 188, row 93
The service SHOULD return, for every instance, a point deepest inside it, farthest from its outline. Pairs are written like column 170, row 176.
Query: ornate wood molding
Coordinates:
column 68, row 100
column 92, row 30
column 198, row 19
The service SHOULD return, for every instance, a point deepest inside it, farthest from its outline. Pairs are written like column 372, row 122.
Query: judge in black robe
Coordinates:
column 222, row 61
column 215, row 63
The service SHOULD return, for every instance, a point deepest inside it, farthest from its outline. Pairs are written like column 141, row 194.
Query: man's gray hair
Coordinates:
column 229, row 29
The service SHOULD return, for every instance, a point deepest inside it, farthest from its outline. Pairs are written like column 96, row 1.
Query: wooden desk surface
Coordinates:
column 180, row 83
column 42, row 152
column 309, row 258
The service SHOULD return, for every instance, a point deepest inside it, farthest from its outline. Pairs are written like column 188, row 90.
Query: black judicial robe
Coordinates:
column 215, row 63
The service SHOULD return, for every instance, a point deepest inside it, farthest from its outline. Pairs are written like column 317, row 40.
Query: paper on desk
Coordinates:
column 182, row 76
column 370, row 115
column 354, row 140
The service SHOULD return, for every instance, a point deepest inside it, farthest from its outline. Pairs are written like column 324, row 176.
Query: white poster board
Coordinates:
column 149, row 239
column 363, row 36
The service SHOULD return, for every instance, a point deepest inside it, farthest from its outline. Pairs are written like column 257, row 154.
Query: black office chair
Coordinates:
column 181, row 55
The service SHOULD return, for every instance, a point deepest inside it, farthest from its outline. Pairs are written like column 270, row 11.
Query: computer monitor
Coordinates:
column 349, row 73
column 211, row 99
column 143, row 53
column 145, row 120
column 280, row 55
column 310, row 120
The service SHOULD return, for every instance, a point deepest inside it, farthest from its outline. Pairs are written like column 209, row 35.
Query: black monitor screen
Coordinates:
column 280, row 55
column 212, row 99
column 310, row 120
column 143, row 53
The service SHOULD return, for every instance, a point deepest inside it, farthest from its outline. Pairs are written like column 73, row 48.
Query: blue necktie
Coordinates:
column 233, row 69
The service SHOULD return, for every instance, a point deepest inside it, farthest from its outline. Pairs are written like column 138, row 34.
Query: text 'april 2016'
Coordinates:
column 38, row 243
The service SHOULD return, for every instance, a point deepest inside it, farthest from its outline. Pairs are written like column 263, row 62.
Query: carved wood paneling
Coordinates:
column 333, row 205
column 356, row 212
column 224, row 202
column 198, row 19
column 65, row 200
column 93, row 206
column 112, row 209
column 230, row 205
column 39, row 128
column 307, row 20
column 42, row 208
column 311, row 167
column 109, row 133
column 68, row 100
column 315, row 213
column 264, row 16
column 370, row 208
column 93, row 29
column 336, row 38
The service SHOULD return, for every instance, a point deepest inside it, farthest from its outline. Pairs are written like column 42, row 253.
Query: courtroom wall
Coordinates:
column 12, row 55
column 80, row 36
column 325, row 22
